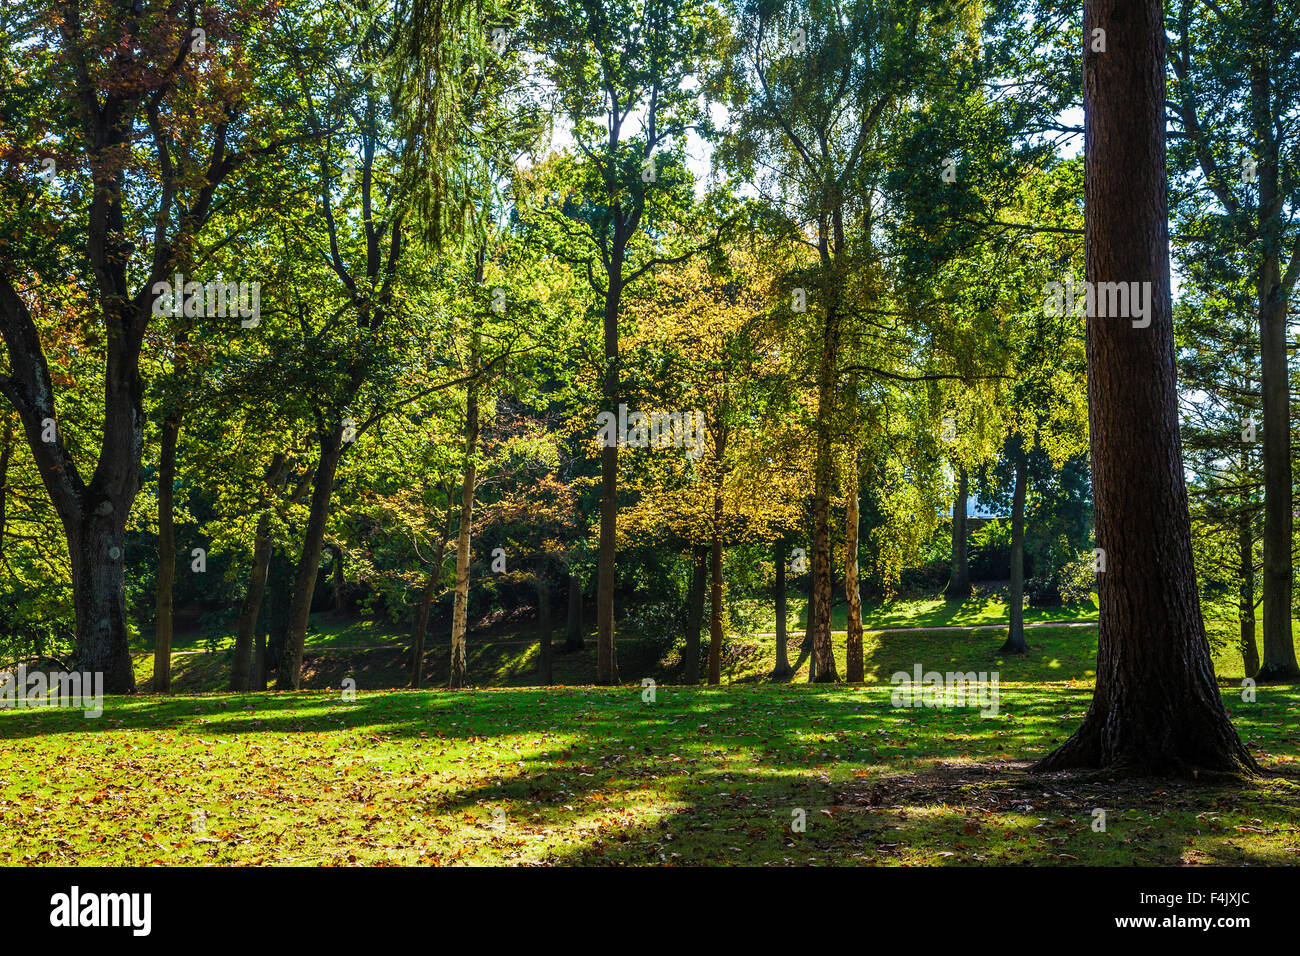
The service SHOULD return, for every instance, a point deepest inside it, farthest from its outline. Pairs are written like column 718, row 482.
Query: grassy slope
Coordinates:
column 982, row 609
column 597, row 775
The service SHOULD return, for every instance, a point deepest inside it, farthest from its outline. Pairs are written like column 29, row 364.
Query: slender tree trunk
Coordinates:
column 782, row 669
column 573, row 625
column 805, row 649
column 1016, row 600
column 1246, row 590
column 241, row 670
column 853, row 665
column 259, row 662
column 544, row 630
column 606, row 652
column 425, row 608
column 715, row 598
column 289, row 673
column 695, row 612
column 958, row 588
column 249, row 666
column 1156, row 708
column 460, row 609
column 6, row 451
column 162, row 648
column 277, row 618
column 1279, row 664
column 823, row 653
column 336, row 576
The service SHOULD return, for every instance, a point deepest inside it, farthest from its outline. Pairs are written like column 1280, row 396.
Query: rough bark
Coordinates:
column 782, row 669
column 93, row 513
column 958, row 588
column 853, row 664
column 695, row 613
column 1015, row 643
column 1156, row 708
column 98, row 546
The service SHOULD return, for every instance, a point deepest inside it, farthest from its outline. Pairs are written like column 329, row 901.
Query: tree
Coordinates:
column 717, row 478
column 1232, row 151
column 614, row 62
column 111, row 97
column 1219, row 379
column 1156, row 707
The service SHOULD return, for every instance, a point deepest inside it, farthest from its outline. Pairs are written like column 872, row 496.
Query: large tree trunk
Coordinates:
column 853, row 664
column 98, row 549
column 1015, row 643
column 782, row 669
column 460, row 607
column 1246, row 590
column 544, row 630
column 958, row 588
column 93, row 514
column 289, row 673
column 1156, row 708
column 715, row 598
column 162, row 646
column 695, row 612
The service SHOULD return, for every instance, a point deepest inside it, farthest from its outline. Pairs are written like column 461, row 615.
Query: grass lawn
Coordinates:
column 596, row 775
column 981, row 609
